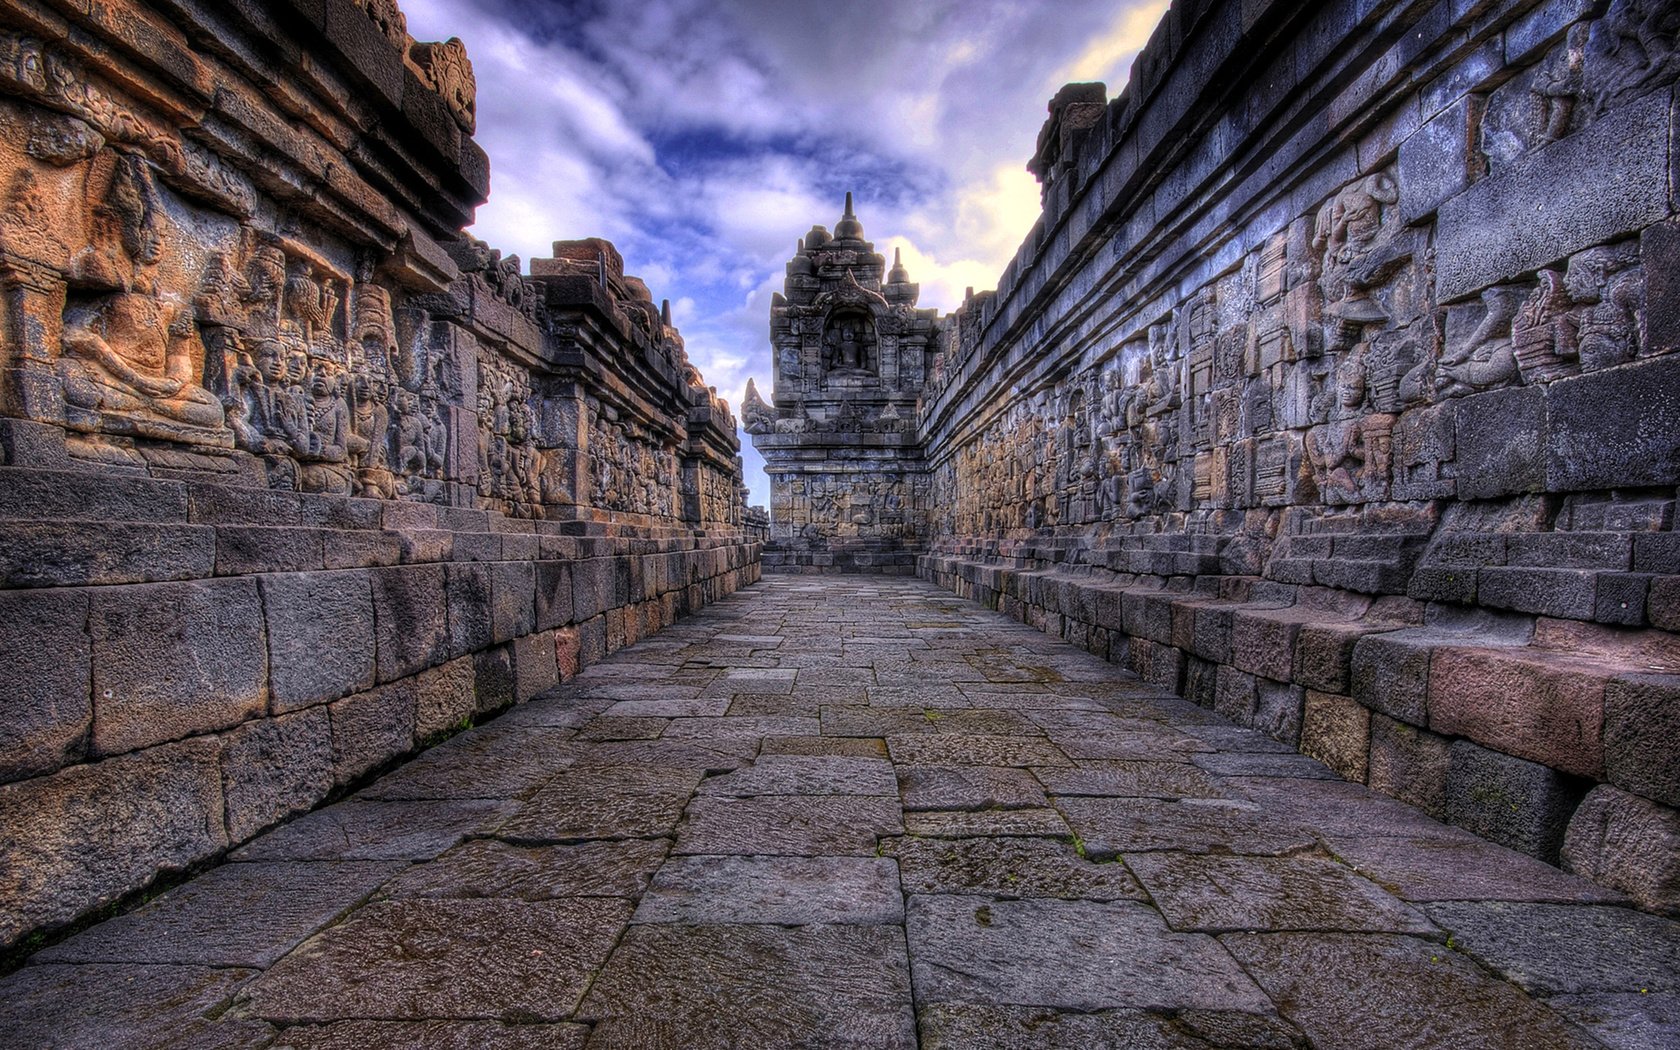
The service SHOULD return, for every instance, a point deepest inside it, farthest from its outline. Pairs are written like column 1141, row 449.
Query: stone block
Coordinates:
column 534, row 668
column 46, row 709
column 1233, row 695
column 1336, row 730
column 411, row 617
column 1435, row 162
column 1409, row 764
column 174, row 659
column 1657, row 552
column 371, row 728
column 470, row 607
column 1567, row 593
column 88, row 835
column 73, row 495
column 1324, row 654
column 1438, row 583
column 1263, row 643
column 360, row 549
column 1616, row 428
column 1502, row 443
column 1627, row 843
column 63, row 554
column 1390, row 675
column 513, row 596
column 591, row 588
column 1524, row 702
column 273, row 768
column 493, row 679
column 1603, row 182
column 241, row 550
column 320, row 636
column 445, row 700
column 1662, row 607
column 1642, row 736
column 1277, row 710
column 1514, row 802
column 1659, row 249
column 1621, row 598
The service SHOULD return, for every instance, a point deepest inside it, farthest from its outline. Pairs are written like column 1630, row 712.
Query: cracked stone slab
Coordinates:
column 555, row 816
column 1552, row 949
column 1007, row 867
column 433, row 1035
column 801, row 703
column 490, row 762
column 951, row 1027
column 1337, row 807
column 618, row 727
column 237, row 915
column 762, row 681
column 727, row 986
column 459, row 959
column 718, row 754
column 969, row 823
column 1265, row 764
column 1455, row 867
column 1141, row 779
column 492, row 868
column 626, row 780
column 788, row 825
column 950, row 749
column 839, row 746
column 791, row 891
column 1340, row 988
column 806, row 775
column 1219, row 893
column 919, row 696
column 969, row 787
column 1625, row 1020
column 357, row 830
column 1136, row 745
column 118, row 1007
column 683, row 708
column 1073, row 955
column 747, row 727
column 1135, row 825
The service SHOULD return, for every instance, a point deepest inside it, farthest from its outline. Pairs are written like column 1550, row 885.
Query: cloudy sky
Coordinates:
column 704, row 137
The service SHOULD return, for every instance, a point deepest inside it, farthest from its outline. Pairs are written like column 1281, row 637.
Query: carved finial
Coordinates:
column 665, row 312
column 848, row 228
column 849, row 214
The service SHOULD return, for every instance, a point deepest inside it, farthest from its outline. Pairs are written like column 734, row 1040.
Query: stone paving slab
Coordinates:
column 768, row 824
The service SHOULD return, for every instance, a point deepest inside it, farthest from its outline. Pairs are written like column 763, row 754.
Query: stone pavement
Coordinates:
column 852, row 812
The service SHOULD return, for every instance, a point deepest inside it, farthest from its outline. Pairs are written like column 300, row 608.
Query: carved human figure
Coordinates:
column 1604, row 324
column 1484, row 359
column 1557, row 85
column 256, row 412
column 325, row 448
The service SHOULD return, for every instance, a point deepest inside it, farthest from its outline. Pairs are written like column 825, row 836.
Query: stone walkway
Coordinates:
column 843, row 812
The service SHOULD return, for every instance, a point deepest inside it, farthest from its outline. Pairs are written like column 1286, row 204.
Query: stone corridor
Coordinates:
column 861, row 813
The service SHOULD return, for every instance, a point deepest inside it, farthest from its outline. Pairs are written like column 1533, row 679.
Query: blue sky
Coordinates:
column 704, row 138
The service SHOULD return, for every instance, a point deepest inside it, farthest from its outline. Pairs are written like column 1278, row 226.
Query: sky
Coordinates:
column 704, row 137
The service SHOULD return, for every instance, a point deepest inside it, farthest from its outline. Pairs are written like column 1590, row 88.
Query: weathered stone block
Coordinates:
column 1277, row 710
column 1615, row 428
column 513, row 595
column 411, row 614
column 1435, row 162
column 1523, row 702
column 58, row 554
column 1502, row 442
column 534, row 666
column 242, row 549
column 46, row 710
column 1627, row 843
column 470, row 607
column 1233, row 695
column 174, row 659
column 1324, row 655
column 1621, row 598
column 1659, row 249
column 67, row 495
column 1538, row 215
column 1409, row 764
column 1568, row 593
column 1336, row 730
column 275, row 767
column 445, row 699
column 1390, row 675
column 1514, row 802
column 1642, row 736
column 591, row 588
column 493, row 679
column 1662, row 606
column 371, row 728
column 1263, row 643
column 87, row 835
column 320, row 636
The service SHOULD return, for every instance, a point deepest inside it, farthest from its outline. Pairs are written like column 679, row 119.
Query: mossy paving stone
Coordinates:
column 783, row 890
column 1127, row 825
column 431, row 1035
column 948, row 1027
column 1007, row 867
column 1215, row 893
column 1072, row 955
column 552, row 816
column 460, row 959
column 973, row 823
column 806, row 775
column 788, row 825
column 234, row 915
column 357, row 830
column 975, row 750
column 1121, row 779
column 491, row 868
column 1364, row 991
column 968, row 787
column 1562, row 948
column 112, row 1007
column 728, row 986
column 1460, row 867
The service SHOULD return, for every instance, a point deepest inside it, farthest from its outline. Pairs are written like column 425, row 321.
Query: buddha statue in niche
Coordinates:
column 849, row 342
column 132, row 362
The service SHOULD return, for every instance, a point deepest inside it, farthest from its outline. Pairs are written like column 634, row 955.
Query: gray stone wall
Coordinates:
column 1336, row 388
column 294, row 477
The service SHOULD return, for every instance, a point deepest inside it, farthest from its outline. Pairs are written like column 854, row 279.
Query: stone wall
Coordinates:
column 1335, row 388
column 294, row 477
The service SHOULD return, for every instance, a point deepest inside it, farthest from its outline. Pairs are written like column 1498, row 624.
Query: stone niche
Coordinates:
column 296, row 477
